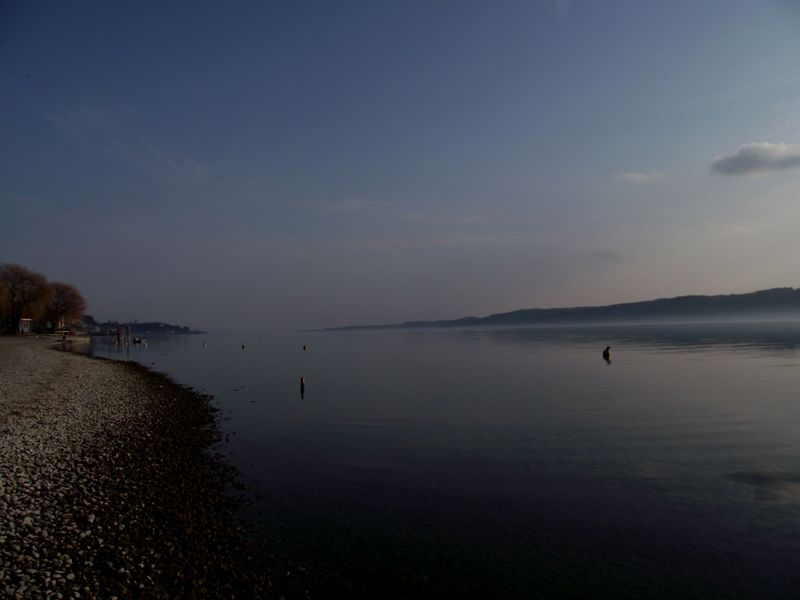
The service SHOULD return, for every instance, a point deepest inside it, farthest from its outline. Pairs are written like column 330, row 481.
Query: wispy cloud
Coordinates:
column 116, row 133
column 638, row 177
column 426, row 219
column 347, row 205
column 354, row 205
column 154, row 159
column 759, row 157
column 439, row 240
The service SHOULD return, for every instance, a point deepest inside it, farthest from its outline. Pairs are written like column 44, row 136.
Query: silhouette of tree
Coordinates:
column 25, row 295
column 4, row 306
column 66, row 304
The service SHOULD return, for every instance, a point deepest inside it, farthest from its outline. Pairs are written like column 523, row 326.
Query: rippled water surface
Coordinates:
column 514, row 463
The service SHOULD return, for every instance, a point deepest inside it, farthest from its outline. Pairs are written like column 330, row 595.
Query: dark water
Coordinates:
column 515, row 463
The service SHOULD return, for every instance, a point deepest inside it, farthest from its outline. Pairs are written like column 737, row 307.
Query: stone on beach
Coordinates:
column 106, row 485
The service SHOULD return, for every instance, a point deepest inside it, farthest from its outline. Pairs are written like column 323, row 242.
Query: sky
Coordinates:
column 270, row 165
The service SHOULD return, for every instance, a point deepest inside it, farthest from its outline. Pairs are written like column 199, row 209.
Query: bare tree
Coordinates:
column 4, row 307
column 66, row 304
column 26, row 294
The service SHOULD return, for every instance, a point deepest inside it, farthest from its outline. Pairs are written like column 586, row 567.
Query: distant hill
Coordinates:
column 137, row 328
column 775, row 303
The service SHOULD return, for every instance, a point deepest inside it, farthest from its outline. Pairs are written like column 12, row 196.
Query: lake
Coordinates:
column 512, row 463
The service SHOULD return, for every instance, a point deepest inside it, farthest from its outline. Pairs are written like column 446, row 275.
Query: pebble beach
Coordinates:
column 108, row 486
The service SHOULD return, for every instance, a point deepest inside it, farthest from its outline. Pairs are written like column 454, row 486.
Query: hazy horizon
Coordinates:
column 743, row 316
column 359, row 163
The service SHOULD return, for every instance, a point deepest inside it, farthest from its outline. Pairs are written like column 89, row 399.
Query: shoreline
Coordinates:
column 108, row 485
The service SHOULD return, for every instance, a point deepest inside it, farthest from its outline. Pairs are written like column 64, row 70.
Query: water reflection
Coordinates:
column 771, row 336
column 770, row 486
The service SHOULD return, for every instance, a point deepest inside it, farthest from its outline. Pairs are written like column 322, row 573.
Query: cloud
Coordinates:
column 755, row 158
column 114, row 132
column 347, row 205
column 158, row 161
column 428, row 219
column 351, row 205
column 637, row 177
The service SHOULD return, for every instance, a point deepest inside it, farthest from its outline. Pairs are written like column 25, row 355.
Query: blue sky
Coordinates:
column 306, row 164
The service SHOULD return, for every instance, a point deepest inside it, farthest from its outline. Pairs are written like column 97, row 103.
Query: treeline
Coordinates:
column 136, row 327
column 29, row 301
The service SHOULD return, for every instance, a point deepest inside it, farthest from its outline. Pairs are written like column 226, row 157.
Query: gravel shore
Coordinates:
column 107, row 487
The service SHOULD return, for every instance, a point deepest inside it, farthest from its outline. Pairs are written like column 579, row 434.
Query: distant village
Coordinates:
column 29, row 303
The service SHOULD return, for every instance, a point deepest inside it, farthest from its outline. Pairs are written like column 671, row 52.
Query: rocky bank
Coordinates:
column 108, row 487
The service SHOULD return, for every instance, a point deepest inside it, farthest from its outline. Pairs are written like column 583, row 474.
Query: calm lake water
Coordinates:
column 514, row 463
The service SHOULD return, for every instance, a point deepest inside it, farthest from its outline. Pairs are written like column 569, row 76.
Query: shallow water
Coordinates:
column 514, row 462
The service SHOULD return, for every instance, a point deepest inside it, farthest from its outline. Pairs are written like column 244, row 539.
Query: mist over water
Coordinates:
column 514, row 462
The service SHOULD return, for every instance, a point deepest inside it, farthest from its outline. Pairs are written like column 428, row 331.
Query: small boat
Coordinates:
column 137, row 340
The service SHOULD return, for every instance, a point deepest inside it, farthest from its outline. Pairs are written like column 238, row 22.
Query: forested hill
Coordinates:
column 775, row 303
